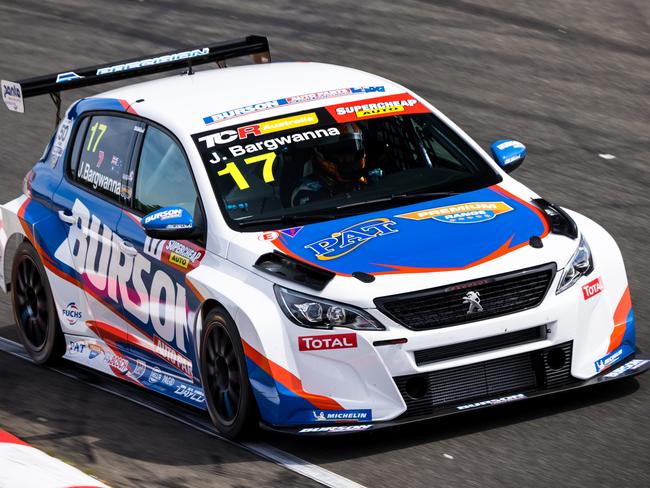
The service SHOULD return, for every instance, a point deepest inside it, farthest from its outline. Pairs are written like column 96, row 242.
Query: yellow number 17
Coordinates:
column 267, row 170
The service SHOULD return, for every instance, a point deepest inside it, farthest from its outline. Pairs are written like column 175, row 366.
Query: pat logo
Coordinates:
column 606, row 361
column 72, row 313
column 347, row 240
column 592, row 288
column 342, row 415
column 331, row 341
column 464, row 213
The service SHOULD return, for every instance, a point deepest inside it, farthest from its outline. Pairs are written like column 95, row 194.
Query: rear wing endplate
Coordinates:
column 14, row 92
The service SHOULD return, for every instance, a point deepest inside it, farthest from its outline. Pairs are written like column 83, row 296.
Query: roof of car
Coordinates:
column 184, row 101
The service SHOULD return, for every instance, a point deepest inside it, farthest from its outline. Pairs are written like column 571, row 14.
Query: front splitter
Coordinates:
column 633, row 365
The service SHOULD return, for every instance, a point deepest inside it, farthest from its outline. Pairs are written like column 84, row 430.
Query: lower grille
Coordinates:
column 426, row 356
column 536, row 370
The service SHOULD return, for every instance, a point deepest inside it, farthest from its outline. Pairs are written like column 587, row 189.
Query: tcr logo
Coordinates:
column 347, row 240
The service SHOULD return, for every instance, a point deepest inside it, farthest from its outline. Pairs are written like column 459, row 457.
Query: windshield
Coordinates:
column 340, row 160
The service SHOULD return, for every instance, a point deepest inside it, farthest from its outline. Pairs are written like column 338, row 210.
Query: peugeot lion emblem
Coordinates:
column 473, row 299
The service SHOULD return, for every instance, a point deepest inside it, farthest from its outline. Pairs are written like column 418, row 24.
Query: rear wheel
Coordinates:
column 228, row 393
column 34, row 310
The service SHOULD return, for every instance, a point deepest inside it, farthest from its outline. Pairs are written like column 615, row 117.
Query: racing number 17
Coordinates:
column 267, row 170
column 100, row 129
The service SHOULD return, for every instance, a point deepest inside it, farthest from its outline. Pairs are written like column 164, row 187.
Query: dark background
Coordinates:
column 570, row 79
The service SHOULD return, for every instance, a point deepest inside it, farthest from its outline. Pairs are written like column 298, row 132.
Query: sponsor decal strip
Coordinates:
column 201, row 424
column 307, row 97
column 288, row 379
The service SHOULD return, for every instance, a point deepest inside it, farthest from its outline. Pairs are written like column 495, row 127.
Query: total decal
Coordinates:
column 153, row 299
column 466, row 213
column 330, row 341
column 592, row 288
column 347, row 240
column 400, row 104
column 307, row 97
column 342, row 415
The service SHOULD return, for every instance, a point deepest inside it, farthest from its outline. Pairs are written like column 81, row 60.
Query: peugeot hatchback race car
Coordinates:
column 303, row 246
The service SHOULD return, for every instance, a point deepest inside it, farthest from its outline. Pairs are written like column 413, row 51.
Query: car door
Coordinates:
column 161, row 334
column 89, row 200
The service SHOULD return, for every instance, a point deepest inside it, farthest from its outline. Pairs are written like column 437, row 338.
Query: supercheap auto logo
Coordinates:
column 464, row 213
column 347, row 240
column 401, row 104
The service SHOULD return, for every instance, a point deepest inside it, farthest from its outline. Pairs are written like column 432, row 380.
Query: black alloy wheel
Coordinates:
column 34, row 310
column 228, row 394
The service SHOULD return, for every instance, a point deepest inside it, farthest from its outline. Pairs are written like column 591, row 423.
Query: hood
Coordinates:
column 446, row 234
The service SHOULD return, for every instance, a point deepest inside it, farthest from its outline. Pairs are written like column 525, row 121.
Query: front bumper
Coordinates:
column 633, row 365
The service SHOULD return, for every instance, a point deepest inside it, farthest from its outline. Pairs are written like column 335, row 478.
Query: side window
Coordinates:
column 105, row 154
column 163, row 177
column 78, row 144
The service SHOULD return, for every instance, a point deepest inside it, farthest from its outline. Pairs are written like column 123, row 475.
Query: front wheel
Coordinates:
column 34, row 310
column 228, row 393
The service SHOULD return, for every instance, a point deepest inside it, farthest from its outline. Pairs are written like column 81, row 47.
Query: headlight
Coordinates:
column 317, row 313
column 581, row 264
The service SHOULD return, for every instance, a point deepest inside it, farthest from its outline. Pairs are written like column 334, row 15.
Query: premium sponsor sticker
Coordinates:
column 462, row 213
column 401, row 104
column 330, row 341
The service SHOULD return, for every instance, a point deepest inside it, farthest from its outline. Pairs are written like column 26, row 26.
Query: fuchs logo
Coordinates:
column 472, row 298
column 117, row 362
column 72, row 313
column 347, row 240
column 464, row 213
column 342, row 415
column 592, row 288
column 606, row 361
column 332, row 341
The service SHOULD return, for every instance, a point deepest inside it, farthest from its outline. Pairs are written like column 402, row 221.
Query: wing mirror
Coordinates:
column 508, row 154
column 169, row 223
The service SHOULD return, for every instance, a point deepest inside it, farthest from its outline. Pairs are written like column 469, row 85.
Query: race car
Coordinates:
column 301, row 246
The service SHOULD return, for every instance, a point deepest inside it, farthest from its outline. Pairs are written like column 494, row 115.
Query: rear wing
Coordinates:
column 14, row 92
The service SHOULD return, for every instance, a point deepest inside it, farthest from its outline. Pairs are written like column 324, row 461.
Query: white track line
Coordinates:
column 262, row 449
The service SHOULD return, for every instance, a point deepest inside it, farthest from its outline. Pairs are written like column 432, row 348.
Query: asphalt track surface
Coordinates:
column 571, row 79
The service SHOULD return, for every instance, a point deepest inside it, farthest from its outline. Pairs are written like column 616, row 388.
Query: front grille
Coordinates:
column 537, row 370
column 444, row 306
column 426, row 356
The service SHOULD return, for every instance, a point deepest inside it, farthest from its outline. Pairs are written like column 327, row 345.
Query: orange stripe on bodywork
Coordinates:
column 288, row 379
column 532, row 207
column 620, row 320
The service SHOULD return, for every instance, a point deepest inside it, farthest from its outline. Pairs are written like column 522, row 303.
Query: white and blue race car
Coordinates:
column 303, row 246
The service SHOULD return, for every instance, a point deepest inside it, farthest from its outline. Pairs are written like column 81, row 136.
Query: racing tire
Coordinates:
column 34, row 308
column 228, row 393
